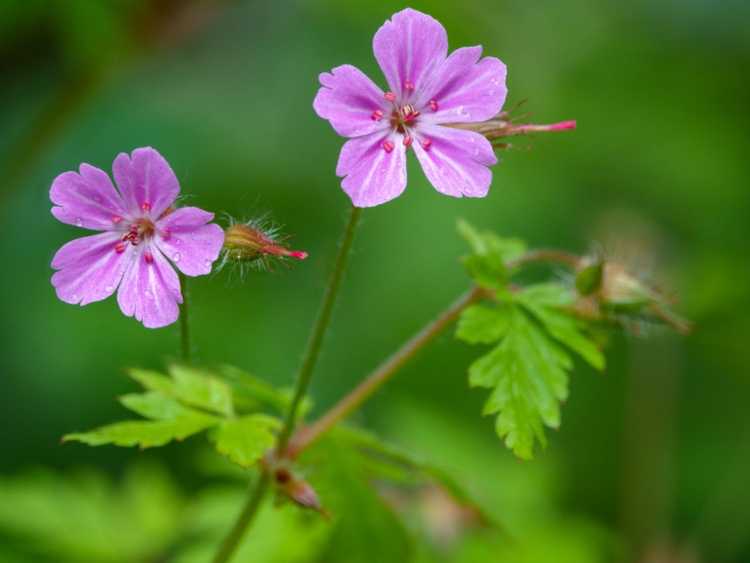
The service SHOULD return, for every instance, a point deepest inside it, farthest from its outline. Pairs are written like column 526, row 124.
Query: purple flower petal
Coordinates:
column 465, row 88
column 146, row 181
column 372, row 174
column 90, row 269
column 185, row 238
column 457, row 160
column 351, row 102
column 150, row 289
column 408, row 48
column 86, row 199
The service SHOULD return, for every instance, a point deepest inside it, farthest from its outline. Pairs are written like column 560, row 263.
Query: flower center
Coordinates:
column 139, row 230
column 403, row 117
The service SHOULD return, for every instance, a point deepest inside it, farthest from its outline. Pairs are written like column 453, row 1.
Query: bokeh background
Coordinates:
column 653, row 457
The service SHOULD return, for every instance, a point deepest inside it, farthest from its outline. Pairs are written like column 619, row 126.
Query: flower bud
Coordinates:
column 297, row 490
column 251, row 243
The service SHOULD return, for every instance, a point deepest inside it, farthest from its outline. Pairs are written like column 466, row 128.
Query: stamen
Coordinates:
column 409, row 86
column 146, row 206
column 120, row 247
column 433, row 105
column 390, row 96
column 408, row 140
column 377, row 115
column 426, row 144
column 387, row 146
column 116, row 219
column 148, row 257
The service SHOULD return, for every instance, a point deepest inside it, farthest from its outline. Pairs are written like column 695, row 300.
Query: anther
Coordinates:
column 433, row 105
column 426, row 144
column 409, row 86
column 390, row 96
column 148, row 257
column 120, row 247
column 408, row 140
column 116, row 219
column 387, row 146
column 146, row 206
column 377, row 115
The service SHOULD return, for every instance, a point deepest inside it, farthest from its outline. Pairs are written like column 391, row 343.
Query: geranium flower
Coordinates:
column 143, row 237
column 428, row 90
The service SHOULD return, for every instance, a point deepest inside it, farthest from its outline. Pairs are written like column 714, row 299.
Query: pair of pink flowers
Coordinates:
column 144, row 237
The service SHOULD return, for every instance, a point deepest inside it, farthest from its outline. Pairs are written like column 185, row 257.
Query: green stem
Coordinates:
column 319, row 329
column 185, row 321
column 253, row 502
column 352, row 400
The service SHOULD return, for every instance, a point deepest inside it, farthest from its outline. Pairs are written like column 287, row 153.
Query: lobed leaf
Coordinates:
column 487, row 263
column 145, row 433
column 246, row 439
column 201, row 389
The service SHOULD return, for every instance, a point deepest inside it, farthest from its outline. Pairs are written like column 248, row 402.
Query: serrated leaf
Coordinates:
column 546, row 302
column 487, row 263
column 153, row 405
column 199, row 388
column 145, row 433
column 152, row 380
column 527, row 375
column 246, row 439
column 480, row 324
column 251, row 391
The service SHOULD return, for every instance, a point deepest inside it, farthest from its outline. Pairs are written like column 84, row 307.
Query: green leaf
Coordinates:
column 153, row 405
column 250, row 391
column 152, row 380
column 200, row 389
column 546, row 302
column 528, row 375
column 481, row 324
column 244, row 440
column 145, row 433
column 487, row 263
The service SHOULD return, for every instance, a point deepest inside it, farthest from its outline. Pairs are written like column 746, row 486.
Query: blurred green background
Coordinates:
column 652, row 461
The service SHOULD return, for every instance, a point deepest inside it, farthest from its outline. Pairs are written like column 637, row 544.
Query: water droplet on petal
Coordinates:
column 109, row 289
column 148, row 294
column 176, row 256
column 79, row 222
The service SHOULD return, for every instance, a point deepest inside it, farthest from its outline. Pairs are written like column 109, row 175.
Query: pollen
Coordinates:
column 433, row 105
column 120, row 247
column 409, row 86
column 116, row 219
column 408, row 140
column 426, row 144
column 148, row 257
column 146, row 206
column 387, row 146
column 390, row 96
column 377, row 115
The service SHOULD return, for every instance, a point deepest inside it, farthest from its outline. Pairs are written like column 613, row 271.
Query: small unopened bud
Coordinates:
column 297, row 490
column 251, row 243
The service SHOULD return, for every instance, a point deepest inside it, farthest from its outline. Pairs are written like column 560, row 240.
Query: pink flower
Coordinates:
column 428, row 89
column 143, row 237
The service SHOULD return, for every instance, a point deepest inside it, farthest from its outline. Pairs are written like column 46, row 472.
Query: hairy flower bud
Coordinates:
column 297, row 490
column 255, row 244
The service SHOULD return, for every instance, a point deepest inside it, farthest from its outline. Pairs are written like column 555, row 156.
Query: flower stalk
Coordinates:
column 304, row 376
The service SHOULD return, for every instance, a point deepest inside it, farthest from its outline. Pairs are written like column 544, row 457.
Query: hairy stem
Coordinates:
column 249, row 510
column 312, row 352
column 383, row 373
column 319, row 328
column 185, row 321
column 545, row 255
